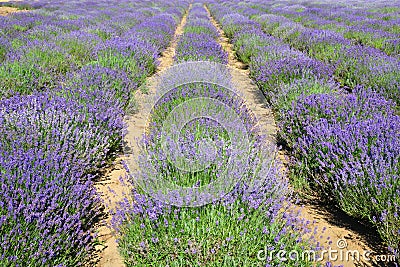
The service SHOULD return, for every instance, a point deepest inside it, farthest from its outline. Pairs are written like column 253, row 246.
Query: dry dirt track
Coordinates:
column 5, row 10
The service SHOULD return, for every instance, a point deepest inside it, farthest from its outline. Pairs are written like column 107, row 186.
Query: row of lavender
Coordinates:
column 39, row 48
column 357, row 12
column 374, row 29
column 199, row 41
column 54, row 140
column 345, row 146
column 230, row 230
column 354, row 64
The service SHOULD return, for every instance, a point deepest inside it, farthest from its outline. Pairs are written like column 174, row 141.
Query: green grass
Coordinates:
column 198, row 30
column 213, row 235
column 36, row 70
column 248, row 45
column 287, row 94
column 228, row 232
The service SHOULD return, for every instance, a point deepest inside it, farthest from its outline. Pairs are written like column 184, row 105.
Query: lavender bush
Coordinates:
column 353, row 64
column 67, row 73
column 357, row 28
column 271, row 62
column 43, row 157
column 34, row 68
column 270, row 73
column 369, row 67
column 286, row 94
column 229, row 232
column 346, row 146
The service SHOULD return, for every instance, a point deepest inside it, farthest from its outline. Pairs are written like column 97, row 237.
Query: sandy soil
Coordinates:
column 337, row 224
column 116, row 178
column 6, row 10
column 167, row 56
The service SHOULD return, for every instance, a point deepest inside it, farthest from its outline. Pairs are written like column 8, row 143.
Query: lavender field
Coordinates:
column 199, row 133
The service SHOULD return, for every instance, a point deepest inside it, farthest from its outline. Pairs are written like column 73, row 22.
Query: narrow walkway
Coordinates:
column 113, row 187
column 6, row 10
column 257, row 103
column 253, row 97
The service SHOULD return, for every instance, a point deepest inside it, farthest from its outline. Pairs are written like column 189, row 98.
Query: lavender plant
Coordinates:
column 369, row 67
column 43, row 160
column 353, row 64
column 287, row 94
column 35, row 68
column 346, row 146
column 229, row 232
column 269, row 73
column 356, row 27
column 79, row 45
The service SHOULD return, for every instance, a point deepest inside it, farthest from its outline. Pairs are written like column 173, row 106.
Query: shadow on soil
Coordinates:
column 339, row 218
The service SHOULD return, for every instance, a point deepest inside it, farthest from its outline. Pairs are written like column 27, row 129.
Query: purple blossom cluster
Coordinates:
column 254, row 211
column 200, row 39
column 197, row 150
column 271, row 61
column 372, row 29
column 353, row 64
column 349, row 145
column 66, row 76
column 235, row 225
column 136, row 51
column 157, row 30
column 54, row 142
column 41, row 46
column 48, row 203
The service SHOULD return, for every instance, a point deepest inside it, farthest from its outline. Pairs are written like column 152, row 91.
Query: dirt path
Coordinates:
column 338, row 226
column 6, row 10
column 113, row 187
